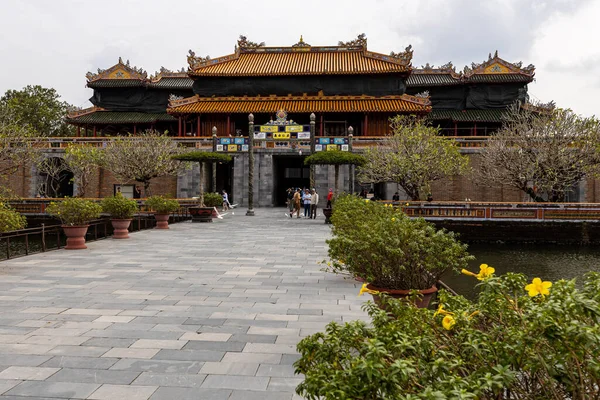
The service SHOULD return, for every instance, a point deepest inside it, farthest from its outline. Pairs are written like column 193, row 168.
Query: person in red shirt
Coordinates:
column 329, row 197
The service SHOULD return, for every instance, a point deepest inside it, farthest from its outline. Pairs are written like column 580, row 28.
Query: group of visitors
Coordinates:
column 302, row 198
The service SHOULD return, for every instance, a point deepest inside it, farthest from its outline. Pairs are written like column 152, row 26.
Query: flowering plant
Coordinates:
column 162, row 205
column 74, row 211
column 119, row 207
column 10, row 219
column 519, row 340
column 380, row 244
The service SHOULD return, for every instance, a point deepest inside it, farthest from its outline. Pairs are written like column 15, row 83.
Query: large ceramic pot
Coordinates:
column 201, row 214
column 424, row 301
column 162, row 221
column 120, row 228
column 75, row 236
column 327, row 212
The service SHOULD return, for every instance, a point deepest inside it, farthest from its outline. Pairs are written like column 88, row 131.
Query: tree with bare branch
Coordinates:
column 82, row 160
column 543, row 153
column 413, row 157
column 142, row 158
column 52, row 169
column 16, row 143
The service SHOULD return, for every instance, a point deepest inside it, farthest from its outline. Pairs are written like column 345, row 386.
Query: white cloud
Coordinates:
column 54, row 43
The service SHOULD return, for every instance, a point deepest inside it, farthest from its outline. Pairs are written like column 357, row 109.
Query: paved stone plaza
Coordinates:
column 202, row 311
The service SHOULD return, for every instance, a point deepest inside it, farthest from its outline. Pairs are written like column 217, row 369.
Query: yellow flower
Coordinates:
column 485, row 272
column 441, row 311
column 364, row 289
column 538, row 287
column 467, row 272
column 448, row 322
column 366, row 200
column 393, row 219
column 474, row 313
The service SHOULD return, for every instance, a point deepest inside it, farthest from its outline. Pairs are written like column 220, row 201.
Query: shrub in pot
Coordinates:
column 206, row 212
column 162, row 207
column 75, row 214
column 393, row 252
column 121, row 211
column 515, row 341
column 10, row 219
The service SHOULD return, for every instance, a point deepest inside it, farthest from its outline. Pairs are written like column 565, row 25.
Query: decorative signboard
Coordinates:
column 332, row 143
column 232, row 145
column 282, row 129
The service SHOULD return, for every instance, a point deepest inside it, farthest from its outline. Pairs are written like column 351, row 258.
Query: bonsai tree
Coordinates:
column 383, row 246
column 335, row 158
column 213, row 200
column 519, row 339
column 413, row 157
column 119, row 207
column 161, row 205
column 202, row 157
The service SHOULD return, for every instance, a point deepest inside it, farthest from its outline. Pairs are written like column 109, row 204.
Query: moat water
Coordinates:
column 548, row 262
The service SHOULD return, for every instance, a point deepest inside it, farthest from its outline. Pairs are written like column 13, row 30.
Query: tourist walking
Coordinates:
column 290, row 200
column 314, row 201
column 297, row 199
column 329, row 197
column 226, row 204
column 307, row 197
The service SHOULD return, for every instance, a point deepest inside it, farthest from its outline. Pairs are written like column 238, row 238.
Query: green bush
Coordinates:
column 119, row 207
column 388, row 249
column 11, row 220
column 162, row 205
column 213, row 200
column 74, row 211
column 506, row 345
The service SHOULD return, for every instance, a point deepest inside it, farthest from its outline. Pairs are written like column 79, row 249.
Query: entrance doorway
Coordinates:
column 224, row 178
column 288, row 172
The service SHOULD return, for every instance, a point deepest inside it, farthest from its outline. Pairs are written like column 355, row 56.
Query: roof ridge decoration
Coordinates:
column 78, row 113
column 301, row 43
column 405, row 57
column 167, row 73
column 196, row 62
column 496, row 65
column 447, row 68
column 361, row 41
column 120, row 70
column 243, row 43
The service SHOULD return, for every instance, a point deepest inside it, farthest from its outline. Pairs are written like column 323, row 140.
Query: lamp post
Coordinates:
column 312, row 149
column 250, row 211
column 214, row 165
column 350, row 135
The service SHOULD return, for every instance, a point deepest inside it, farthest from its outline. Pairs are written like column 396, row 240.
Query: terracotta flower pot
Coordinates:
column 201, row 214
column 426, row 295
column 162, row 221
column 120, row 228
column 75, row 236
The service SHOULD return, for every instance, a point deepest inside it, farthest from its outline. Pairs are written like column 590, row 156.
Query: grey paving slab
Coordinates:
column 209, row 311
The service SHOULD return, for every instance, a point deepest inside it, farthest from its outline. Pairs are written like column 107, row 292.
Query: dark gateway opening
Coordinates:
column 288, row 172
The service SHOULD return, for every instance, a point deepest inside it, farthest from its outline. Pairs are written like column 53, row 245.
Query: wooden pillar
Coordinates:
column 366, row 130
column 78, row 131
column 179, row 129
column 228, row 125
column 455, row 129
column 134, row 129
column 198, row 129
column 474, row 128
column 321, row 128
column 94, row 130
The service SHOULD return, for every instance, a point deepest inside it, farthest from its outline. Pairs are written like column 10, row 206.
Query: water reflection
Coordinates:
column 549, row 262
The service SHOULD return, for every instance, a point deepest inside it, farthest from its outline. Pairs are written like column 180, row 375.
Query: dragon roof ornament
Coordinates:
column 167, row 73
column 244, row 43
column 361, row 40
column 496, row 65
column 447, row 68
column 120, row 70
column 195, row 62
column 404, row 56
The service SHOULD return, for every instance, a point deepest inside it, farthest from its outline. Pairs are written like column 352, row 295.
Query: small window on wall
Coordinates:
column 125, row 190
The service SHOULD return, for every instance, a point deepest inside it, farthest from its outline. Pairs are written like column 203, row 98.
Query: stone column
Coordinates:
column 351, row 183
column 250, row 211
column 312, row 149
column 214, row 164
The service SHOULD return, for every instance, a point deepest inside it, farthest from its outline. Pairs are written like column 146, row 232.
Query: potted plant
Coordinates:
column 202, row 210
column 75, row 214
column 121, row 211
column 519, row 339
column 10, row 219
column 162, row 208
column 394, row 253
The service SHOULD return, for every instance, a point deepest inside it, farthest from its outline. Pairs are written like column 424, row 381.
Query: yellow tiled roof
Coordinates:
column 310, row 61
column 300, row 104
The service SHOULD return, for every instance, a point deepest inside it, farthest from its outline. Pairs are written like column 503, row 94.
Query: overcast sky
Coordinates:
column 54, row 43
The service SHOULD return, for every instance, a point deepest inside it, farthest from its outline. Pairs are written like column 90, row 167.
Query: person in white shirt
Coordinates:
column 307, row 197
column 314, row 201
